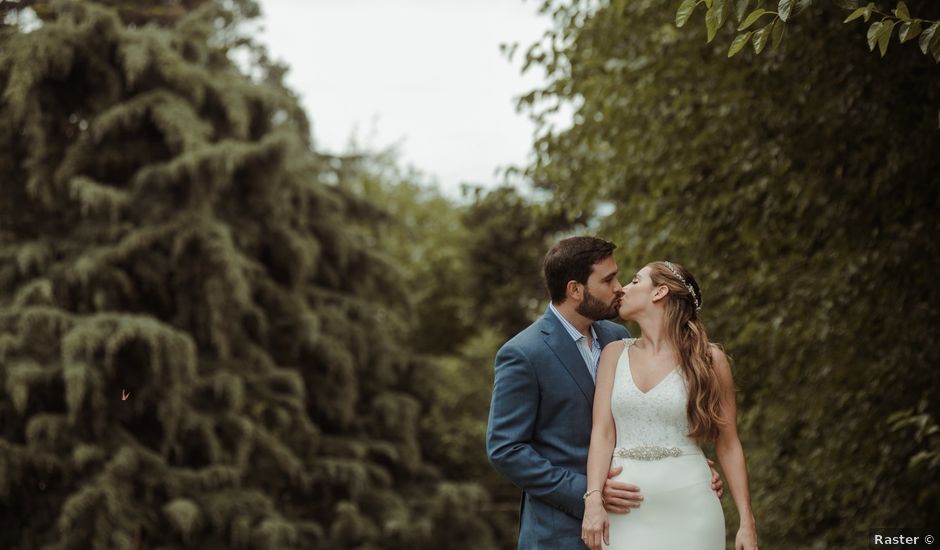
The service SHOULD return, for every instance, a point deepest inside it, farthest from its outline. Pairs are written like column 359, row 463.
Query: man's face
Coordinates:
column 601, row 294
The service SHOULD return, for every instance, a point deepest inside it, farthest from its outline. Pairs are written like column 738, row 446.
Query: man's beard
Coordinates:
column 594, row 309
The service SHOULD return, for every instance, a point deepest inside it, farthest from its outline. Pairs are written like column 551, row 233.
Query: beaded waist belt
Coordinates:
column 654, row 452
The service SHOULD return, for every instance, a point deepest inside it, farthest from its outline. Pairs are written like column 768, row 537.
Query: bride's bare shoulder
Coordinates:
column 614, row 347
column 720, row 362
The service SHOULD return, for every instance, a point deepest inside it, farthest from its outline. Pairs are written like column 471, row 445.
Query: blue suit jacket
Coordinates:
column 539, row 428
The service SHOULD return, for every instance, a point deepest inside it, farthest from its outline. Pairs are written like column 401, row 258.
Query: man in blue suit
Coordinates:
column 539, row 426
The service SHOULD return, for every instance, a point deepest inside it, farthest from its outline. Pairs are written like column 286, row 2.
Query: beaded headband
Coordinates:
column 672, row 267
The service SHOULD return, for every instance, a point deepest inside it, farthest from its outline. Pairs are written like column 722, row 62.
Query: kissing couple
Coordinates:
column 603, row 432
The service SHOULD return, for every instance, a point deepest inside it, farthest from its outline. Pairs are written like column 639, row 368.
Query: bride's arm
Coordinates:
column 731, row 454
column 603, row 437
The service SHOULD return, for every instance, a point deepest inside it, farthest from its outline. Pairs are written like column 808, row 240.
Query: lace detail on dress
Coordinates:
column 657, row 417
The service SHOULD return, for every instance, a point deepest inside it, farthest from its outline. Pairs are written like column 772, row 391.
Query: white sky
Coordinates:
column 424, row 74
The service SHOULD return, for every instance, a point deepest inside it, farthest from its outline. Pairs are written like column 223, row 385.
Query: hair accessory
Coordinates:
column 672, row 267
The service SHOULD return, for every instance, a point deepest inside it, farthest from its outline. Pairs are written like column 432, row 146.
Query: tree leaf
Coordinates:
column 685, row 11
column 759, row 39
column 935, row 47
column 777, row 33
column 738, row 44
column 902, row 12
column 754, row 16
column 926, row 36
column 721, row 6
column 873, row 31
column 741, row 8
column 712, row 19
column 847, row 4
column 909, row 30
column 884, row 36
column 783, row 9
column 856, row 14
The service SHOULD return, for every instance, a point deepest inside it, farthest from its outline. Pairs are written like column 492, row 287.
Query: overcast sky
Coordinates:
column 425, row 74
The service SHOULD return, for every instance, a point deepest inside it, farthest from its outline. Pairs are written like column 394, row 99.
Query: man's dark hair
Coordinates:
column 572, row 259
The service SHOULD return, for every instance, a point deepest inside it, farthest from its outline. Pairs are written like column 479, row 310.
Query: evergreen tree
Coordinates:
column 166, row 231
column 165, row 12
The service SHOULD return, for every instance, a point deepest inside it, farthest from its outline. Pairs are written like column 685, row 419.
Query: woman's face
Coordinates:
column 637, row 295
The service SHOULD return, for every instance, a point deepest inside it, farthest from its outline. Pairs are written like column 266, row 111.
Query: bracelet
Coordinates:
column 589, row 493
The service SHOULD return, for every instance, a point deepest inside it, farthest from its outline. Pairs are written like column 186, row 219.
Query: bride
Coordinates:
column 658, row 398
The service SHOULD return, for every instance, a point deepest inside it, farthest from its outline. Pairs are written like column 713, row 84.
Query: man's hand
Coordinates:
column 717, row 484
column 619, row 497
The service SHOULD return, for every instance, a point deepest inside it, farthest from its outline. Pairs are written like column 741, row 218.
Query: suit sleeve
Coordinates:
column 513, row 411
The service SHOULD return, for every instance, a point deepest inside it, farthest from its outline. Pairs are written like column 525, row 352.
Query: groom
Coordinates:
column 540, row 416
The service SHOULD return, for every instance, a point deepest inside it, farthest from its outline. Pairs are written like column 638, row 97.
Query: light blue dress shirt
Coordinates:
column 592, row 354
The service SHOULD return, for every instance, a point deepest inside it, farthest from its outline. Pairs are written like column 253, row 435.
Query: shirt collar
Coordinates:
column 572, row 331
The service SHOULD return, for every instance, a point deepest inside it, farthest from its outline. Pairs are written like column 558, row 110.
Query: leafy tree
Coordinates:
column 802, row 191
column 164, row 12
column 774, row 16
column 509, row 235
column 423, row 235
column 471, row 270
column 166, row 230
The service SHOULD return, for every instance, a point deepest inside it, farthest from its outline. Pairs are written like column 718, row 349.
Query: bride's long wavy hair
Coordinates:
column 686, row 330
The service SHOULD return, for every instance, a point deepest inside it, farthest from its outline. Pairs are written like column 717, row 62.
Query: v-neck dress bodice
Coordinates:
column 654, row 418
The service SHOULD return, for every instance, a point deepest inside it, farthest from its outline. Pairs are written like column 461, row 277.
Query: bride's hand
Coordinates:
column 595, row 525
column 746, row 538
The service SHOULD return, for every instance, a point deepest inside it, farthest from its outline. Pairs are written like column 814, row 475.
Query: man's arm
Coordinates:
column 513, row 411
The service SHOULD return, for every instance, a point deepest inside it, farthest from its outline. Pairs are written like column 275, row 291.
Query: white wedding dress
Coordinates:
column 679, row 510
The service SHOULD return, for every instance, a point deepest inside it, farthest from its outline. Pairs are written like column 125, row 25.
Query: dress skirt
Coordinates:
column 679, row 510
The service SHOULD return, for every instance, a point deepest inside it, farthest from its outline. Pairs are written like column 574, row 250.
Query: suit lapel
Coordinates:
column 560, row 342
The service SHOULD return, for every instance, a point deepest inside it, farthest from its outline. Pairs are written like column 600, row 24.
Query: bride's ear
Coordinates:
column 661, row 292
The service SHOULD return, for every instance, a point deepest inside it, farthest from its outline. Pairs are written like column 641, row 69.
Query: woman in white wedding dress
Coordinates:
column 658, row 398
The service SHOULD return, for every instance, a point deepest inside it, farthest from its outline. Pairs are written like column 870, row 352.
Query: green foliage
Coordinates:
column 879, row 33
column 422, row 235
column 509, row 235
column 472, row 270
column 140, row 12
column 308, row 340
column 166, row 230
column 785, row 185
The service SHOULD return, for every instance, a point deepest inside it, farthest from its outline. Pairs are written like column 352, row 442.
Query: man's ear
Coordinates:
column 574, row 290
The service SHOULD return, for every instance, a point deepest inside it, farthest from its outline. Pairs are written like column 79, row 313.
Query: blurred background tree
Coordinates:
column 167, row 230
column 308, row 339
column 472, row 275
column 140, row 12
